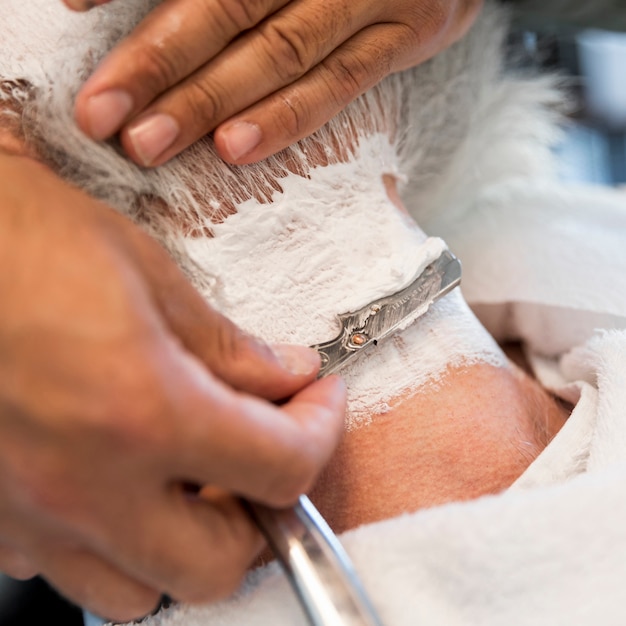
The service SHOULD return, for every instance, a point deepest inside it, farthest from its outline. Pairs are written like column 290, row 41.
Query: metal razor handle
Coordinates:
column 316, row 565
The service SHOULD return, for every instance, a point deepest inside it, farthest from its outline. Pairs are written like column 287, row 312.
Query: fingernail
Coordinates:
column 152, row 136
column 241, row 138
column 106, row 112
column 297, row 360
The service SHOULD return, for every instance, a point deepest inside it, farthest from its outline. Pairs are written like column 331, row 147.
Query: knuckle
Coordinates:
column 438, row 15
column 428, row 20
column 288, row 51
column 161, row 70
column 292, row 116
column 52, row 487
column 15, row 564
column 18, row 569
column 350, row 75
column 237, row 15
column 229, row 577
column 234, row 348
column 205, row 104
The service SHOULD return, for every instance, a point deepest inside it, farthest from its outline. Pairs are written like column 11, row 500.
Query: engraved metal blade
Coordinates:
column 377, row 320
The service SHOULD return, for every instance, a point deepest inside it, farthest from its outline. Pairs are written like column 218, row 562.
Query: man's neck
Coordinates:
column 472, row 433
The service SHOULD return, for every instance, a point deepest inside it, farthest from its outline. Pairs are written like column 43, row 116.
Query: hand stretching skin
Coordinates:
column 261, row 75
column 118, row 387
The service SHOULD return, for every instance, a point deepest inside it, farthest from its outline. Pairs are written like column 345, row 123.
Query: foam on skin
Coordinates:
column 329, row 244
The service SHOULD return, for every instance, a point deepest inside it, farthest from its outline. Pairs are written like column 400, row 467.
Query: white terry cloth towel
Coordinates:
column 546, row 264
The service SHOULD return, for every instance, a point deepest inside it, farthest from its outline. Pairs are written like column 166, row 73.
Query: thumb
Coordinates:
column 240, row 360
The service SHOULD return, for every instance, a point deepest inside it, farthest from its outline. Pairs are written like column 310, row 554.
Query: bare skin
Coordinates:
column 192, row 67
column 471, row 434
column 118, row 387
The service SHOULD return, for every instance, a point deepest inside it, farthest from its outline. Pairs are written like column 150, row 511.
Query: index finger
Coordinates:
column 171, row 42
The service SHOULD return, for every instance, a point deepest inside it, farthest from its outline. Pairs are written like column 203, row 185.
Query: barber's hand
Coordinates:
column 260, row 74
column 119, row 388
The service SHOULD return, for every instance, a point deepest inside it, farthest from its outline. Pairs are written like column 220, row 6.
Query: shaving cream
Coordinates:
column 329, row 244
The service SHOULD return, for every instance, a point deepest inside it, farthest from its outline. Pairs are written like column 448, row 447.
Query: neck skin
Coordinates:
column 470, row 431
column 471, row 434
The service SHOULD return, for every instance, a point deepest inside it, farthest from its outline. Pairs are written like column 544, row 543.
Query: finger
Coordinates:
column 194, row 550
column 276, row 53
column 250, row 447
column 16, row 564
column 305, row 106
column 221, row 544
column 95, row 585
column 170, row 43
column 235, row 357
